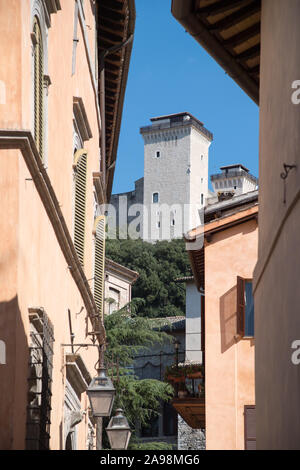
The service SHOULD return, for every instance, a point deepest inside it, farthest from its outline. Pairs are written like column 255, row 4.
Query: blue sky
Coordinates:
column 170, row 73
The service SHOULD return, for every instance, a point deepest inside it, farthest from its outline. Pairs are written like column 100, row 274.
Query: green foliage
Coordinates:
column 127, row 334
column 136, row 445
column 141, row 398
column 158, row 265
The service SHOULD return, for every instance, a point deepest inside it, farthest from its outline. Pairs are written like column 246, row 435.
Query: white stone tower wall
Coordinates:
column 199, row 171
column 167, row 175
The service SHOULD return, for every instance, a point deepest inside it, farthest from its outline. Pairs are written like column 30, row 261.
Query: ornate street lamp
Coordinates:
column 118, row 431
column 101, row 391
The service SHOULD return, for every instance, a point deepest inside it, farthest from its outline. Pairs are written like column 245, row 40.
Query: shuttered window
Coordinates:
column 38, row 88
column 80, row 169
column 240, row 306
column 245, row 308
column 250, row 427
column 99, row 230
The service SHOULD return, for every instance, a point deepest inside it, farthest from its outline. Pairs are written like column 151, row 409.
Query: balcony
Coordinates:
column 187, row 380
column 192, row 410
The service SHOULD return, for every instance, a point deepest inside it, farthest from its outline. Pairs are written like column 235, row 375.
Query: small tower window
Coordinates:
column 155, row 198
column 202, row 199
column 157, row 154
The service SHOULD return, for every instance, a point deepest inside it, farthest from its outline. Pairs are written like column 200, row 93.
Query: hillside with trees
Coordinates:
column 158, row 266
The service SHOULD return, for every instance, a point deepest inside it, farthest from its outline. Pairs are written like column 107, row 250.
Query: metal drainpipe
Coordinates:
column 102, row 100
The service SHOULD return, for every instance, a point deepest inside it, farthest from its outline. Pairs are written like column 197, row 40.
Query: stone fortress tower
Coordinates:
column 176, row 150
column 175, row 183
column 233, row 180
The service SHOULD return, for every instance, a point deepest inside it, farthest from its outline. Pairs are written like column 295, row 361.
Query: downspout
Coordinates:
column 104, row 54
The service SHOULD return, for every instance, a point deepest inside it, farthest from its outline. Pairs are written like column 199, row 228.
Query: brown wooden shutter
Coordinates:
column 80, row 168
column 99, row 230
column 38, row 88
column 250, row 427
column 240, row 310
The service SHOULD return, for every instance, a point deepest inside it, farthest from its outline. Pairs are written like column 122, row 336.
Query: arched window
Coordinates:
column 80, row 170
column 38, row 87
column 99, row 263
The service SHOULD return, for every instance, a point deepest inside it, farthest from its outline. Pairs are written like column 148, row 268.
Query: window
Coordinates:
column 157, row 154
column 202, row 199
column 99, row 263
column 250, row 427
column 155, row 198
column 245, row 308
column 80, row 167
column 173, row 222
column 158, row 225
column 38, row 87
column 114, row 302
column 217, row 185
column 39, row 381
column 201, row 157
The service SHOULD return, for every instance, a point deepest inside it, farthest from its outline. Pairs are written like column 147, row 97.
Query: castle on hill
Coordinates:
column 168, row 199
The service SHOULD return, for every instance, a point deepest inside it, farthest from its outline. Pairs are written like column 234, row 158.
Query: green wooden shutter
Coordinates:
column 240, row 306
column 99, row 230
column 80, row 168
column 38, row 88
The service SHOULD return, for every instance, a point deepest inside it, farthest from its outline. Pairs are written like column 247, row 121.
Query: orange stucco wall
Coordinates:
column 33, row 270
column 229, row 362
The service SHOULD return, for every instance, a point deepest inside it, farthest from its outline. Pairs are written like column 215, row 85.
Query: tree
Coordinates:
column 127, row 334
column 158, row 265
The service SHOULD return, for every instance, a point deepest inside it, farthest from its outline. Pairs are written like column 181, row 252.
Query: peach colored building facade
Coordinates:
column 117, row 286
column 230, row 251
column 42, row 278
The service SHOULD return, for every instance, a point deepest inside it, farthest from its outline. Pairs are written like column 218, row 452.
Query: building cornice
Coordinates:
column 81, row 118
column 223, row 223
column 100, row 191
column 116, row 269
column 175, row 127
column 23, row 140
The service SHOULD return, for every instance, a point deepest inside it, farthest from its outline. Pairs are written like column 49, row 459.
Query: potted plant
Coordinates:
column 174, row 374
column 195, row 371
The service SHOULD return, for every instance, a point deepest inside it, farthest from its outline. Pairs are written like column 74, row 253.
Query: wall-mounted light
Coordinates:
column 118, row 431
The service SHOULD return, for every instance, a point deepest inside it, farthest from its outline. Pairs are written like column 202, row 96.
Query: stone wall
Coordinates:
column 122, row 203
column 188, row 438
